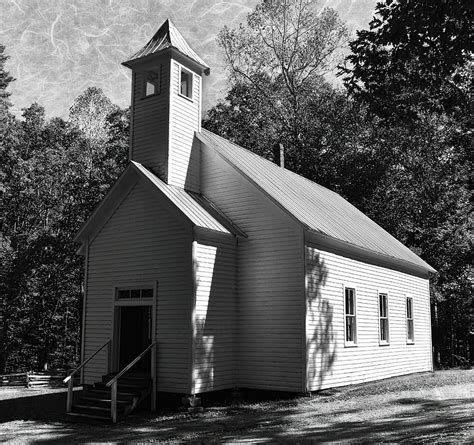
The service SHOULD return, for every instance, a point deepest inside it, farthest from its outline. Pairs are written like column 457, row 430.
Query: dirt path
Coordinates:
column 421, row 408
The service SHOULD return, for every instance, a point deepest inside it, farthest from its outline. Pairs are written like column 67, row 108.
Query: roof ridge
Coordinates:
column 284, row 170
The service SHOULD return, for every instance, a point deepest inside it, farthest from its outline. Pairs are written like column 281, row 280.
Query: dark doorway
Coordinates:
column 135, row 336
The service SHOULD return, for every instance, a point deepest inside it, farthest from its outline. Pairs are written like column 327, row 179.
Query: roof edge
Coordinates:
column 102, row 210
column 151, row 179
column 172, row 51
column 344, row 248
column 199, row 231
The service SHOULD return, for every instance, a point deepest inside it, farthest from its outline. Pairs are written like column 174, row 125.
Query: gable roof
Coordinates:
column 319, row 209
column 167, row 37
column 191, row 207
column 196, row 208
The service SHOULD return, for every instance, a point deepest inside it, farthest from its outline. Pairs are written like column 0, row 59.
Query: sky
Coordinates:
column 58, row 48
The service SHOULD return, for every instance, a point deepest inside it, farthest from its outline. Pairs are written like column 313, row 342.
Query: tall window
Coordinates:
column 383, row 318
column 410, row 326
column 186, row 83
column 350, row 316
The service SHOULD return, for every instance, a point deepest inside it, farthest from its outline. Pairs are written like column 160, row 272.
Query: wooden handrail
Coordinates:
column 84, row 363
column 127, row 368
column 70, row 381
column 113, row 383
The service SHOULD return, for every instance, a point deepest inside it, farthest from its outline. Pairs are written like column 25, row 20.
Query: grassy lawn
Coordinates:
column 428, row 407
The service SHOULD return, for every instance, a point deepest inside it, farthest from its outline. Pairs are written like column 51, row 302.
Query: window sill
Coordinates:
column 384, row 343
column 150, row 95
column 350, row 345
column 186, row 97
column 410, row 342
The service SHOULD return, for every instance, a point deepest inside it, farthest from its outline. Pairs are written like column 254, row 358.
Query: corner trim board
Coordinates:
column 84, row 308
column 192, row 385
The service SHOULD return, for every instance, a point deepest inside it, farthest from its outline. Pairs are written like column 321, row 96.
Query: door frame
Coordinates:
column 117, row 304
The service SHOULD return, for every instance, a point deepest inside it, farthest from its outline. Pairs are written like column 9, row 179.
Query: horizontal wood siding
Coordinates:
column 150, row 123
column 215, row 315
column 143, row 243
column 270, row 298
column 184, row 156
column 332, row 364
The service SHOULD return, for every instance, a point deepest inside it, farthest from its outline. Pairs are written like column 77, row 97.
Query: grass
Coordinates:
column 428, row 407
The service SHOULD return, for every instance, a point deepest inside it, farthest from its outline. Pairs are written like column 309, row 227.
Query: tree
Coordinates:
column 7, row 138
column 424, row 200
column 414, row 69
column 41, row 284
column 278, row 94
column 89, row 113
column 281, row 55
column 5, row 80
column 55, row 174
column 244, row 119
column 341, row 146
column 412, row 58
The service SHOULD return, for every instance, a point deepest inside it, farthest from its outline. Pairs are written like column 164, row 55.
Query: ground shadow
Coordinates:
column 42, row 407
column 288, row 421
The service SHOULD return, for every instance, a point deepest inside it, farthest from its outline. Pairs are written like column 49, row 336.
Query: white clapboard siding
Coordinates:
column 150, row 121
column 184, row 156
column 271, row 305
column 215, row 315
column 143, row 243
column 332, row 364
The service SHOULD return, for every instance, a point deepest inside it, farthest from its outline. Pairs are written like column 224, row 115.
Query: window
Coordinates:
column 383, row 318
column 151, row 84
column 350, row 316
column 123, row 294
column 410, row 326
column 186, row 83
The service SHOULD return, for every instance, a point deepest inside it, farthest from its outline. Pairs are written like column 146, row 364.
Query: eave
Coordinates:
column 343, row 248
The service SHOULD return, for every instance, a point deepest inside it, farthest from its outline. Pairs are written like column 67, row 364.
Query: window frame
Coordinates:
column 354, row 342
column 182, row 70
column 410, row 341
column 386, row 317
column 134, row 287
column 156, row 82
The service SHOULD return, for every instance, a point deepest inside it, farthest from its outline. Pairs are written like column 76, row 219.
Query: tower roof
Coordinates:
column 166, row 37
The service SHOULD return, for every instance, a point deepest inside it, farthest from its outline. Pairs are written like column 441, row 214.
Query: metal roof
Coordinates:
column 316, row 207
column 191, row 207
column 167, row 37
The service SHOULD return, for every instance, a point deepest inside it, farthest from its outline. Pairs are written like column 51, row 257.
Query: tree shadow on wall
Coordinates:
column 321, row 342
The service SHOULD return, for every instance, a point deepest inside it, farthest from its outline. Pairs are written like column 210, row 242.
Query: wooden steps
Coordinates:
column 87, row 418
column 94, row 404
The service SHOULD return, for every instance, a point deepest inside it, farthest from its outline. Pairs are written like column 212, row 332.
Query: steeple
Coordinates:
column 166, row 37
column 166, row 107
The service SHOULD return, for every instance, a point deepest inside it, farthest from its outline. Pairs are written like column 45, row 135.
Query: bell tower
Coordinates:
column 166, row 107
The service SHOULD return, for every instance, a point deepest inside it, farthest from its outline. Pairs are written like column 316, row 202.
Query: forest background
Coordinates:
column 396, row 141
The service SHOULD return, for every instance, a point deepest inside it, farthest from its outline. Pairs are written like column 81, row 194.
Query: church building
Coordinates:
column 231, row 271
